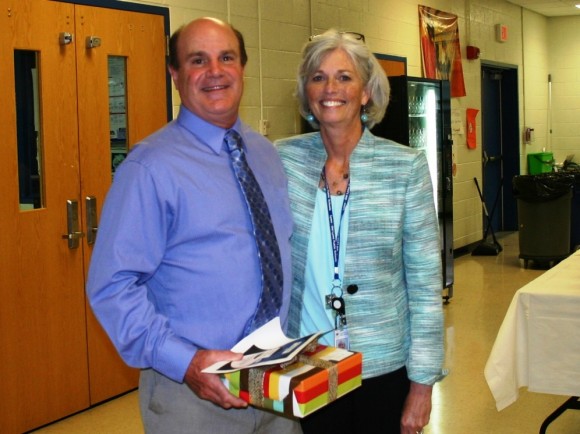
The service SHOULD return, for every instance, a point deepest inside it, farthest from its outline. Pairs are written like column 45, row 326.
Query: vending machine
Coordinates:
column 419, row 115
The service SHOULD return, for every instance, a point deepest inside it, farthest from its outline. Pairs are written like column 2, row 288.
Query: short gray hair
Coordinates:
column 373, row 76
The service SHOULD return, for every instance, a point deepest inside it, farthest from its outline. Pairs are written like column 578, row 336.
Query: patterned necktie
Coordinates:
column 268, row 251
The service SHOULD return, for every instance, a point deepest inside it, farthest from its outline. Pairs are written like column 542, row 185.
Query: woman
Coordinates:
column 366, row 255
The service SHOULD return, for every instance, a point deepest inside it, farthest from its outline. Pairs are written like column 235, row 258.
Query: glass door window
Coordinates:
column 29, row 144
column 118, row 110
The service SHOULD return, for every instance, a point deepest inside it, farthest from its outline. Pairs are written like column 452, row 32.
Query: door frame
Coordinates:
column 148, row 9
column 505, row 217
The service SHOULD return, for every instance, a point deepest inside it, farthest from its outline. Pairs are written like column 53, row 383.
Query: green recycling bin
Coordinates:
column 540, row 162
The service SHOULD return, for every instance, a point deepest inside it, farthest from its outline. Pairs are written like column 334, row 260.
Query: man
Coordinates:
column 175, row 277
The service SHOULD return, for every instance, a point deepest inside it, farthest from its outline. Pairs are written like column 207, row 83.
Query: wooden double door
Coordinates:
column 78, row 85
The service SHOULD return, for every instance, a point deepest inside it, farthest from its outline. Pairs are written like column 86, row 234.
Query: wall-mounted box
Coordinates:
column 472, row 52
column 501, row 32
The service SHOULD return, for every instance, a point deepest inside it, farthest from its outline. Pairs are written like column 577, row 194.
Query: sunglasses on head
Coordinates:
column 353, row 35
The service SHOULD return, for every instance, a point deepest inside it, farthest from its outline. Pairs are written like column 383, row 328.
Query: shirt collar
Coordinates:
column 206, row 132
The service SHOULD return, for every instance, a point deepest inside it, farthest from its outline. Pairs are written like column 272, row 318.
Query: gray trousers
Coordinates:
column 168, row 407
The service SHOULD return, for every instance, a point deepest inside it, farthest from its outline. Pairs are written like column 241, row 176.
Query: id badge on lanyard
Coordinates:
column 334, row 300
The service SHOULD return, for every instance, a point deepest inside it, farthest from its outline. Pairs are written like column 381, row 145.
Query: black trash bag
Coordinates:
column 543, row 187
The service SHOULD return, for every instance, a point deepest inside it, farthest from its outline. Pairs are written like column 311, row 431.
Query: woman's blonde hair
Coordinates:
column 372, row 74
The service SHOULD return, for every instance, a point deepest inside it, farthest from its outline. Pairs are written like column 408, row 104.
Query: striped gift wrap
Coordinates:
column 311, row 381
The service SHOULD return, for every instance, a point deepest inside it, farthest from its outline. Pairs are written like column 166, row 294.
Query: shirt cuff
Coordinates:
column 173, row 358
column 428, row 378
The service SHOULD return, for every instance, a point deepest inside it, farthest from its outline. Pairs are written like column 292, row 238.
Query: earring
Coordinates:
column 364, row 117
column 310, row 117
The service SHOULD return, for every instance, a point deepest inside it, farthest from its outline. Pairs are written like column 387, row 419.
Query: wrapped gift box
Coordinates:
column 313, row 380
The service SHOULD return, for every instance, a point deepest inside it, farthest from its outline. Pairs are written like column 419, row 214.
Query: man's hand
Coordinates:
column 209, row 386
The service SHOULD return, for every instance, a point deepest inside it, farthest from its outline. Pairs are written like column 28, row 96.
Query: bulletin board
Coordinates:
column 392, row 65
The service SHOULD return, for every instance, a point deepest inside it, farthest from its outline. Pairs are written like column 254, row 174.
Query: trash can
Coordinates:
column 575, row 219
column 544, row 216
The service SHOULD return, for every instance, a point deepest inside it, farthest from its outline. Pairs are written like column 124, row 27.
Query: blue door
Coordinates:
column 500, row 145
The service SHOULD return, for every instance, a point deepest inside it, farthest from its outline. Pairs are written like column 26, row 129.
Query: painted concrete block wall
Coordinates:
column 536, row 70
column 564, row 68
column 480, row 31
column 275, row 31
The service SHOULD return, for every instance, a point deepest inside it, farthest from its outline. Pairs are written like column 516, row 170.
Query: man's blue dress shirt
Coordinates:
column 175, row 267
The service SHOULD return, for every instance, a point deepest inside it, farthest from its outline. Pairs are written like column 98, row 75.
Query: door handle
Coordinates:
column 487, row 159
column 93, row 41
column 72, row 222
column 92, row 224
column 484, row 158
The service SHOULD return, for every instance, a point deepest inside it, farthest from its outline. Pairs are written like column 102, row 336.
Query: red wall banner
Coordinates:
column 440, row 48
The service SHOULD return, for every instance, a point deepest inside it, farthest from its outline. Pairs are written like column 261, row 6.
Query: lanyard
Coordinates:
column 333, row 237
column 335, row 301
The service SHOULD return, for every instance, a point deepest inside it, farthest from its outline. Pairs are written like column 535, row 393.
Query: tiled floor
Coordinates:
column 484, row 287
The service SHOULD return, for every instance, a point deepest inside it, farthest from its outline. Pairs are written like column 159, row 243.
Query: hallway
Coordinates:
column 462, row 403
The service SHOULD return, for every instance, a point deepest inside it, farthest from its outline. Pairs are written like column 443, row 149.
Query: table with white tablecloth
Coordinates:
column 538, row 343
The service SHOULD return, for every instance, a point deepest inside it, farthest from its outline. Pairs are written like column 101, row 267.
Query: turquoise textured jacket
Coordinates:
column 395, row 318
